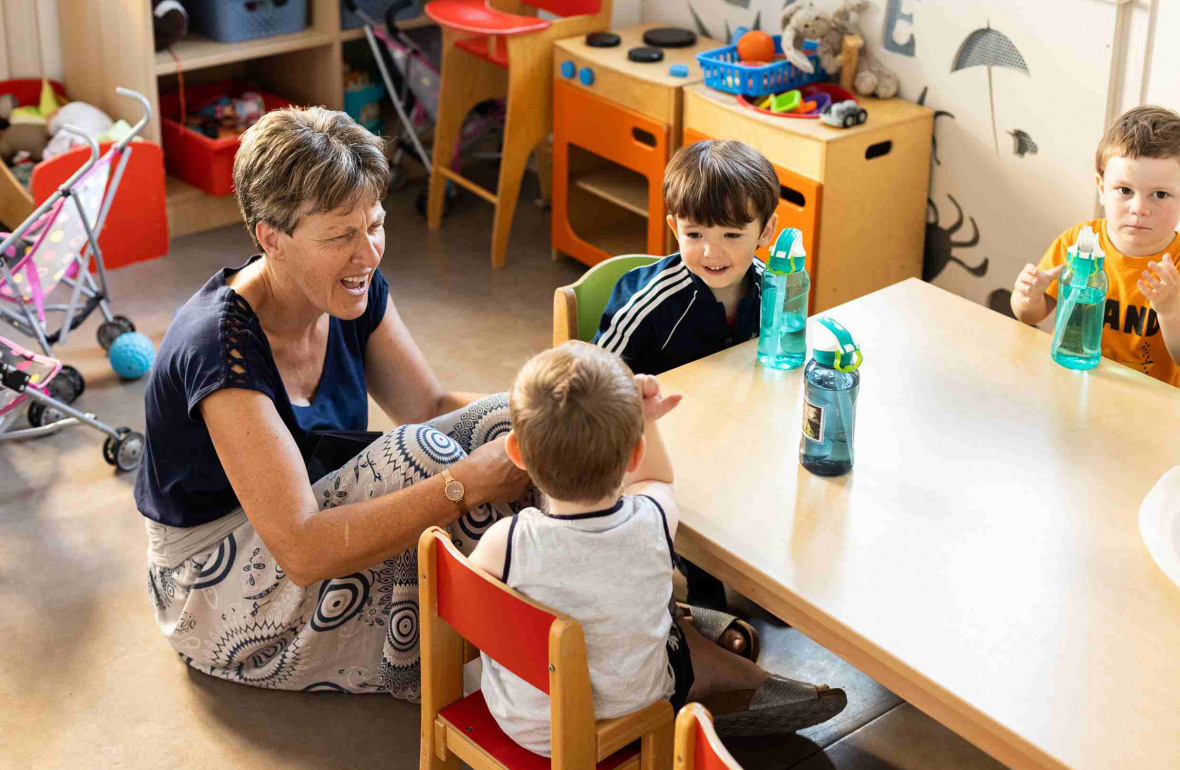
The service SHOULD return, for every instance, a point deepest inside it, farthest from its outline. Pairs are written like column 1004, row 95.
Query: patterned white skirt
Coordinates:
column 230, row 612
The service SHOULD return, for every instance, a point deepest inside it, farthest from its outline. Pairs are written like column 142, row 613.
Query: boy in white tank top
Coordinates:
column 585, row 429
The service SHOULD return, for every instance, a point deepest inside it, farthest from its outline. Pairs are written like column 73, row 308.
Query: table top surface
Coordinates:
column 882, row 112
column 656, row 72
column 986, row 544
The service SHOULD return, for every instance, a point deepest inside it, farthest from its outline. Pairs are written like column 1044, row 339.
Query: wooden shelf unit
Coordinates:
column 618, row 185
column 109, row 43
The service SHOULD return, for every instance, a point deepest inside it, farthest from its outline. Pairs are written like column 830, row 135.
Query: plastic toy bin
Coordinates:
column 724, row 71
column 193, row 157
column 232, row 21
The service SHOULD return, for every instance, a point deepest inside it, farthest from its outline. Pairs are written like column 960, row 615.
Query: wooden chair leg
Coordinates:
column 466, row 81
column 656, row 750
column 529, row 120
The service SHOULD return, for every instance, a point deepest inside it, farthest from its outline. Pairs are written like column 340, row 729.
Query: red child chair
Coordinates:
column 697, row 744
column 543, row 647
column 489, row 53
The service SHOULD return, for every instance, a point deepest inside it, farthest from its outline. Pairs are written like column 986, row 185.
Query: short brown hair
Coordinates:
column 302, row 160
column 720, row 183
column 578, row 416
column 1142, row 132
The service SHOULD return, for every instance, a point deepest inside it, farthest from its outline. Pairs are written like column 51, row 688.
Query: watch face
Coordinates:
column 454, row 490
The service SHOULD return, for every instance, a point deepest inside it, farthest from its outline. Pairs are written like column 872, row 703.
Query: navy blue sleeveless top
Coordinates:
column 181, row 482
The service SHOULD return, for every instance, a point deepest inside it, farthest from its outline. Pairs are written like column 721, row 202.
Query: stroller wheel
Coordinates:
column 67, row 385
column 111, row 444
column 424, row 196
column 127, row 450
column 110, row 330
column 397, row 179
column 41, row 414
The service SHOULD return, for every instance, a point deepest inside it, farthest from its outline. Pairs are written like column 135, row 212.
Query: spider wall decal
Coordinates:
column 940, row 243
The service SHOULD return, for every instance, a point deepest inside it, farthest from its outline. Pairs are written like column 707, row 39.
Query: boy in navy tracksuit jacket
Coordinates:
column 721, row 197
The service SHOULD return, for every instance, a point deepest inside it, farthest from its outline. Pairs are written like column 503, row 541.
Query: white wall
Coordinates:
column 30, row 46
column 1088, row 60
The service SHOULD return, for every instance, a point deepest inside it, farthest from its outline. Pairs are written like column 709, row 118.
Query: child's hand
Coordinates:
column 1032, row 283
column 655, row 406
column 1161, row 285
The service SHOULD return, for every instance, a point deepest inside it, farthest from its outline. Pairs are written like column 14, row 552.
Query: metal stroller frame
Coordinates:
column 97, row 294
column 123, row 447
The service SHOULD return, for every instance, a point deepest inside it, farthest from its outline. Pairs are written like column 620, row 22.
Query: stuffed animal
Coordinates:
column 22, row 132
column 872, row 77
column 805, row 21
column 80, row 115
column 169, row 22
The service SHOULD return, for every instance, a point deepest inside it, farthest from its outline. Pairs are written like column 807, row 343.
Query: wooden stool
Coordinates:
column 490, row 53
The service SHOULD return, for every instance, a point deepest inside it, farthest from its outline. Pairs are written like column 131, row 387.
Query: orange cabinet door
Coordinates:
column 628, row 139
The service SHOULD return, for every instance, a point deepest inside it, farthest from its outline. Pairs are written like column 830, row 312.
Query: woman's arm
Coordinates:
column 399, row 378
column 267, row 473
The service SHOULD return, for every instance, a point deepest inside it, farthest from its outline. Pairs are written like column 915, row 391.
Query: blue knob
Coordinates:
column 678, row 70
column 586, row 76
column 568, row 69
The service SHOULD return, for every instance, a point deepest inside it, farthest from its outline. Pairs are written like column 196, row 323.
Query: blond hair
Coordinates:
column 725, row 183
column 1141, row 132
column 578, row 416
column 303, row 160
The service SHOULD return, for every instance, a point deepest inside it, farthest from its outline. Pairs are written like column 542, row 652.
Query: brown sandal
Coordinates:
column 779, row 705
column 711, row 624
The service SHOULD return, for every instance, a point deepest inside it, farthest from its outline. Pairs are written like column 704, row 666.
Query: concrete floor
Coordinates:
column 87, row 681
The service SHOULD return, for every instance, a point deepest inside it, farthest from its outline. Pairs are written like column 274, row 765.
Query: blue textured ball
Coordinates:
column 132, row 355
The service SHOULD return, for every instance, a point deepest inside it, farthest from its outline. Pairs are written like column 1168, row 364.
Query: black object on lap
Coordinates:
column 645, row 55
column 603, row 40
column 670, row 37
column 328, row 450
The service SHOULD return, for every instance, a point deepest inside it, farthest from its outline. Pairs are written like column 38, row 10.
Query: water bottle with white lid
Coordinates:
column 831, row 385
column 782, row 338
column 1081, row 304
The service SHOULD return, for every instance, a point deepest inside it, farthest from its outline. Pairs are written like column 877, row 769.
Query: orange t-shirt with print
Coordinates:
column 1130, row 328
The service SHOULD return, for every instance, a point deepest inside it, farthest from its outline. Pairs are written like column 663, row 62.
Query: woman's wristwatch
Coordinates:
column 454, row 490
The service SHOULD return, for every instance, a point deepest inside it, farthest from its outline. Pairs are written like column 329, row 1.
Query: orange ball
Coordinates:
column 755, row 45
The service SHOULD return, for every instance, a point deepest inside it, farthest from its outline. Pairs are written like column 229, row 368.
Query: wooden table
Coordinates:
column 983, row 558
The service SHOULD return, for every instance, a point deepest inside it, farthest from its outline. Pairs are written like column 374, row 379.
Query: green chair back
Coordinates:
column 593, row 289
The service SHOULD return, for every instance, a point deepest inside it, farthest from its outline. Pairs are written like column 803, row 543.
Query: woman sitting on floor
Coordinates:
column 274, row 560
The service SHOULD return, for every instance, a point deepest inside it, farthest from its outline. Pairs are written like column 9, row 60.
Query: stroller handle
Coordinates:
column 392, row 11
column 85, row 166
column 147, row 114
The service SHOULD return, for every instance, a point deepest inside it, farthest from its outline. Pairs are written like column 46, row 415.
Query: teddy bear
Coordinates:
column 872, row 77
column 805, row 21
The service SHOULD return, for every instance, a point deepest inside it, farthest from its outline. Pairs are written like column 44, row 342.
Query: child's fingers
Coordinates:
column 1053, row 272
column 1150, row 279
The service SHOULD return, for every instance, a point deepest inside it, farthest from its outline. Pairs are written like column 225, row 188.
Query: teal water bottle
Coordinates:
column 831, row 383
column 1081, row 304
column 782, row 337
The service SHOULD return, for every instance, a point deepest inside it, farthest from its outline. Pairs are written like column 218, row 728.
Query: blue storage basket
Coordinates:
column 724, row 71
column 232, row 21
column 376, row 10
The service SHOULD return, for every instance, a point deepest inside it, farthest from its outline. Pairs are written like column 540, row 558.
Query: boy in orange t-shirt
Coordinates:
column 1138, row 163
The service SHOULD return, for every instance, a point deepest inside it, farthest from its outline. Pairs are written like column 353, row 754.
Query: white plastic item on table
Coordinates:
column 1159, row 523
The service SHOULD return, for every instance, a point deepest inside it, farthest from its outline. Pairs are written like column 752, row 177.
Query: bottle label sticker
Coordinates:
column 813, row 422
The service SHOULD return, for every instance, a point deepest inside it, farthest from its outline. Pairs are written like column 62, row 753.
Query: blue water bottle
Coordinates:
column 831, row 383
column 782, row 338
column 1081, row 303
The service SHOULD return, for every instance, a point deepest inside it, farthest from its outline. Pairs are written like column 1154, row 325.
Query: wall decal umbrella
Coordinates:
column 989, row 48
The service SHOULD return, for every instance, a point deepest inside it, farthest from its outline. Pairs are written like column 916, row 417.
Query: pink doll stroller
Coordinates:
column 53, row 248
column 25, row 376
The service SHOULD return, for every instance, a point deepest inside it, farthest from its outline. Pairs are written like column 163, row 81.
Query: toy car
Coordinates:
column 844, row 114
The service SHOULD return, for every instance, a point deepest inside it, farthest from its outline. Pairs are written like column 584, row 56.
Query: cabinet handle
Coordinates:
column 643, row 137
column 878, row 149
column 791, row 195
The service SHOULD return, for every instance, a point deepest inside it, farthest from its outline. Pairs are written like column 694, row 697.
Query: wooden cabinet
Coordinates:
column 858, row 194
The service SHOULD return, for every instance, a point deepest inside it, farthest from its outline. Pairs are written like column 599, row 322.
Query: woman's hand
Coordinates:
column 489, row 476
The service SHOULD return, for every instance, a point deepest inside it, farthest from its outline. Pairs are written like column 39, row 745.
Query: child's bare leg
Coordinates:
column 715, row 669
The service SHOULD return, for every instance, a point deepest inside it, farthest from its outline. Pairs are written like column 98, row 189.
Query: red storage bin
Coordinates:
column 193, row 157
